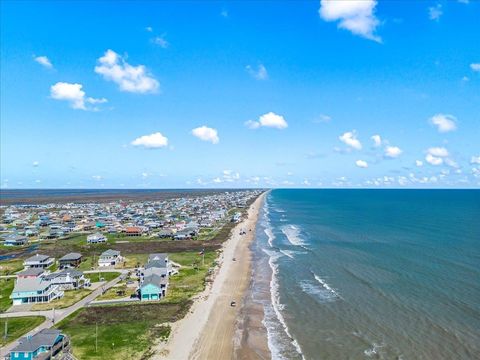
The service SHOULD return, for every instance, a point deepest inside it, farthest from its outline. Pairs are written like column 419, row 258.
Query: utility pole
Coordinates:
column 6, row 329
column 96, row 337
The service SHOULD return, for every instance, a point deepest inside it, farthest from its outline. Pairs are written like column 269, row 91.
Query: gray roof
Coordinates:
column 110, row 252
column 31, row 272
column 71, row 256
column 45, row 337
column 155, row 264
column 154, row 280
column 37, row 257
column 161, row 257
column 73, row 273
column 155, row 270
column 30, row 284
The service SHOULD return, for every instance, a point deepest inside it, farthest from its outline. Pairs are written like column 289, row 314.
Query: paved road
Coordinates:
column 60, row 314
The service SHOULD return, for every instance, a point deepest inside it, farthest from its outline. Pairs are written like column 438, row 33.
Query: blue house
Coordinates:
column 154, row 280
column 44, row 344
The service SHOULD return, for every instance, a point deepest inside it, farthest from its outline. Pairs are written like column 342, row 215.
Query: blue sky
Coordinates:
column 240, row 94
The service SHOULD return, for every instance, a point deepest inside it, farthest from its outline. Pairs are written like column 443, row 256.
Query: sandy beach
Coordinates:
column 211, row 328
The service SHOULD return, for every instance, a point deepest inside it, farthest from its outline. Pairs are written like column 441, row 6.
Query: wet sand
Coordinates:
column 213, row 329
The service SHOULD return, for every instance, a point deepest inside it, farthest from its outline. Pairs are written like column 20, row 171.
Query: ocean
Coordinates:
column 369, row 274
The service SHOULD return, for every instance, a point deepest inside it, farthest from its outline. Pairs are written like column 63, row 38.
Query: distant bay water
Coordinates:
column 370, row 274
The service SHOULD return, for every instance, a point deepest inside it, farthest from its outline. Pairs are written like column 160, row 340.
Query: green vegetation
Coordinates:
column 18, row 326
column 133, row 260
column 191, row 278
column 6, row 287
column 69, row 298
column 9, row 267
column 97, row 276
column 128, row 331
column 119, row 291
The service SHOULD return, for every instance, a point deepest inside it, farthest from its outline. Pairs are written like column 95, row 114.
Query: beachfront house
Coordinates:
column 43, row 345
column 39, row 261
column 96, row 238
column 70, row 260
column 154, row 279
column 34, row 290
column 109, row 258
column 68, row 279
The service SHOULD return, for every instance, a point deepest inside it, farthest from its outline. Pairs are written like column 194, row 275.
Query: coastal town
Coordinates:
column 63, row 263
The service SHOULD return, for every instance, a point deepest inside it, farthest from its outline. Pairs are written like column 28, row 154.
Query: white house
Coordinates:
column 96, row 238
column 109, row 258
column 39, row 261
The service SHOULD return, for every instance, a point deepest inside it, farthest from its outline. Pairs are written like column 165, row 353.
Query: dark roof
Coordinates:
column 110, row 252
column 37, row 257
column 71, row 256
column 45, row 337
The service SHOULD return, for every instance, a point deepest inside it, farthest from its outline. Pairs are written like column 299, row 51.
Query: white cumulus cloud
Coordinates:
column 205, row 133
column 361, row 164
column 475, row 66
column 444, row 122
column 74, row 94
column 433, row 160
column 438, row 151
column 136, row 79
column 350, row 138
column 435, row 12
column 268, row 120
column 152, row 141
column 260, row 73
column 357, row 16
column 44, row 61
column 35, row 164
column 475, row 160
column 377, row 140
column 419, row 163
column 393, row 151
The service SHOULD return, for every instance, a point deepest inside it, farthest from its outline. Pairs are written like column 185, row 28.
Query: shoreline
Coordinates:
column 210, row 329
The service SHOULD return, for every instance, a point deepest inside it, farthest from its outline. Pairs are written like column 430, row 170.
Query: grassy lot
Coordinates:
column 107, row 276
column 6, row 287
column 128, row 331
column 118, row 291
column 192, row 275
column 9, row 267
column 18, row 326
column 132, row 260
column 69, row 298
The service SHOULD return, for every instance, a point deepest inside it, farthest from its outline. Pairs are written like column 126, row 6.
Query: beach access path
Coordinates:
column 208, row 330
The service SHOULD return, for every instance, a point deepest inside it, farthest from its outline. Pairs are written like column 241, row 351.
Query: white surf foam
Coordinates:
column 292, row 233
column 278, row 307
column 326, row 286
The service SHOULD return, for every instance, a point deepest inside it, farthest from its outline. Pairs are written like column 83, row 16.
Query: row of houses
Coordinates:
column 178, row 218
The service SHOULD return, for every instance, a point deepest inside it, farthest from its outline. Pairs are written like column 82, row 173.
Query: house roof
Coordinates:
column 71, row 256
column 72, row 272
column 133, row 229
column 160, row 256
column 37, row 257
column 31, row 272
column 110, row 252
column 30, row 284
column 155, row 264
column 154, row 279
column 45, row 337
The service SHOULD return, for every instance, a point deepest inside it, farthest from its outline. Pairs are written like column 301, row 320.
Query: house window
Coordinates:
column 16, row 354
column 25, row 355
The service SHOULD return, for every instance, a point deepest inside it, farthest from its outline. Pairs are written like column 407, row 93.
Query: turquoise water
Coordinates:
column 370, row 274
